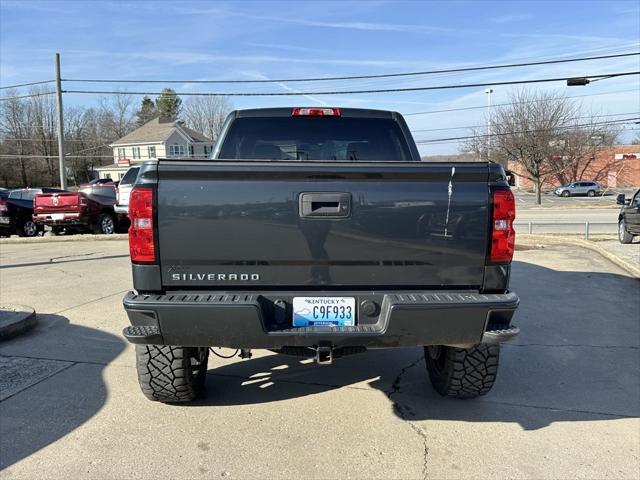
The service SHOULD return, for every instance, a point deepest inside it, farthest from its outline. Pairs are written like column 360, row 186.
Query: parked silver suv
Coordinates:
column 124, row 190
column 590, row 189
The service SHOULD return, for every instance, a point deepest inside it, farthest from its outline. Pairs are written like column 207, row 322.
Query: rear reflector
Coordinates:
column 141, row 238
column 503, row 236
column 315, row 112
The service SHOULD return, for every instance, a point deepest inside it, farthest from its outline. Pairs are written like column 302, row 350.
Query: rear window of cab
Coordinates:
column 300, row 138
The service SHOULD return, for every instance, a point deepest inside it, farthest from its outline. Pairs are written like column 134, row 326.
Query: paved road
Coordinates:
column 555, row 211
column 566, row 215
column 566, row 404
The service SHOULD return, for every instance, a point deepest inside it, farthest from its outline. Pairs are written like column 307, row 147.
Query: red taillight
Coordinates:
column 315, row 112
column 503, row 236
column 3, row 206
column 141, row 241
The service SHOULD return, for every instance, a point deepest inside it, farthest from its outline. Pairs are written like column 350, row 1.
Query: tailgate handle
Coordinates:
column 325, row 204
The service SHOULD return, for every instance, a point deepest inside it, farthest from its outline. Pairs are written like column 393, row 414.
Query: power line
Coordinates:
column 361, row 77
column 468, row 137
column 513, row 103
column 33, row 125
column 15, row 139
column 39, row 94
column 451, row 70
column 449, row 142
column 104, row 145
column 41, row 140
column 351, row 92
column 483, row 126
column 26, row 84
column 54, row 156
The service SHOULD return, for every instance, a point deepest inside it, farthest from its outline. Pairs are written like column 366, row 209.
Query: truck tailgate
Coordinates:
column 56, row 202
column 254, row 224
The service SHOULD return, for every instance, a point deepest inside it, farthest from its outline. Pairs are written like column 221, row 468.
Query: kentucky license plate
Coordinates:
column 318, row 311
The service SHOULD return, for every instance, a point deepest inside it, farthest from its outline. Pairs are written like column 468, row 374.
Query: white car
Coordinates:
column 124, row 190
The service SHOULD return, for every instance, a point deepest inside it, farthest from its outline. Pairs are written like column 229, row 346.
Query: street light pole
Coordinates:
column 61, row 159
column 488, row 91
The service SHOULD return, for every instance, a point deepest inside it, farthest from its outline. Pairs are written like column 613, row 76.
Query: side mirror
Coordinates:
column 511, row 179
column 620, row 199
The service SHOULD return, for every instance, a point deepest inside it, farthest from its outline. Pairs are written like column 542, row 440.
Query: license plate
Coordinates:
column 57, row 216
column 4, row 220
column 318, row 311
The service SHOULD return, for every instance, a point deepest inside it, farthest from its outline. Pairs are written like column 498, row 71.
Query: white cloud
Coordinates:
column 291, row 89
column 515, row 17
column 386, row 27
column 563, row 36
column 292, row 48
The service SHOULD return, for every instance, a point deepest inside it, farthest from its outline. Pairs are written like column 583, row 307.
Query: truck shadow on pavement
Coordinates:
column 48, row 398
column 565, row 366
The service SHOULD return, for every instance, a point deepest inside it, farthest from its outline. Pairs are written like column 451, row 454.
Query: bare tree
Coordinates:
column 581, row 144
column 478, row 146
column 42, row 115
column 530, row 131
column 85, row 142
column 117, row 115
column 16, row 130
column 206, row 114
column 28, row 131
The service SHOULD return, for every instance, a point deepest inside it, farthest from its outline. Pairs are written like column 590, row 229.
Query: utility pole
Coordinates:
column 61, row 158
column 488, row 91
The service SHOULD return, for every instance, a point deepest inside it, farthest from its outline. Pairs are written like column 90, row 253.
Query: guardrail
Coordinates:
column 561, row 227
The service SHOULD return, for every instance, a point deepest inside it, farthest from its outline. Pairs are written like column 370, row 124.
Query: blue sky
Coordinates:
column 261, row 39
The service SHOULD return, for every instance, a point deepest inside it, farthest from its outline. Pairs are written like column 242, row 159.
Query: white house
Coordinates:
column 158, row 138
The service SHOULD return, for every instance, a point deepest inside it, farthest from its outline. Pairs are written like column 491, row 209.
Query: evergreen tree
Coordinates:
column 168, row 104
column 147, row 111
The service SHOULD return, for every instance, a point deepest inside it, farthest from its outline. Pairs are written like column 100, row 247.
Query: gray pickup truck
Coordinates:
column 319, row 233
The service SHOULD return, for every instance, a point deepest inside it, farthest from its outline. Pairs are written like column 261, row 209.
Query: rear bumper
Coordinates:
column 6, row 225
column 67, row 219
column 250, row 320
column 121, row 209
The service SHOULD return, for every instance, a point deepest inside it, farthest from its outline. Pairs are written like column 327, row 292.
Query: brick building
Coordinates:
column 614, row 167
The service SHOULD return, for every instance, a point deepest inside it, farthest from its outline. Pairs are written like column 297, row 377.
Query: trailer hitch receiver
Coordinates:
column 324, row 353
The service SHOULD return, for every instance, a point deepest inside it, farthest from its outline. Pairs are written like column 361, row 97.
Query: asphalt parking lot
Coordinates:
column 566, row 403
column 549, row 199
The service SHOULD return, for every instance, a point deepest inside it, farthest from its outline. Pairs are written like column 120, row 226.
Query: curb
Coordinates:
column 62, row 239
column 16, row 319
column 629, row 267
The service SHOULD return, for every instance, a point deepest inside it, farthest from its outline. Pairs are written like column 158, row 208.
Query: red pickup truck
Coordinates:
column 89, row 210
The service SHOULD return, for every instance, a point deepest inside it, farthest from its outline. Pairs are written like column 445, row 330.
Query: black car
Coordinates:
column 16, row 211
column 629, row 217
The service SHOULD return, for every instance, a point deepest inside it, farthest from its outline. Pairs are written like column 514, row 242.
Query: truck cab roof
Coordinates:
column 287, row 112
